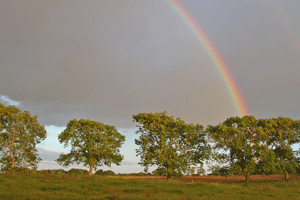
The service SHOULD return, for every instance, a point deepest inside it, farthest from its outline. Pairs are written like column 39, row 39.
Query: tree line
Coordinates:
column 238, row 146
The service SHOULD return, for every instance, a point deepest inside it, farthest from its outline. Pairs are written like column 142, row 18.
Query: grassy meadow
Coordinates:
column 20, row 185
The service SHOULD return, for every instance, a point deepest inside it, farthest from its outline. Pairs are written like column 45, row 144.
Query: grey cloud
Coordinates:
column 47, row 155
column 107, row 60
column 128, row 163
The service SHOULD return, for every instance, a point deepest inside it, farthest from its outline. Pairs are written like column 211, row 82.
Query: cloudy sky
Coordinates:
column 106, row 60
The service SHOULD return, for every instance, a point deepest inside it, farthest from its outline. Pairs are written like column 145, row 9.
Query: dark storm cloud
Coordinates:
column 106, row 60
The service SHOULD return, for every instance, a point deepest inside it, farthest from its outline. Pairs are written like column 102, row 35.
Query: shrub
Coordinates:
column 45, row 171
column 77, row 171
column 20, row 169
column 141, row 174
column 57, row 171
column 109, row 173
column 99, row 172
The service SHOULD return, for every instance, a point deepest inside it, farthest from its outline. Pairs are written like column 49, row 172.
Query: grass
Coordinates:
column 62, row 186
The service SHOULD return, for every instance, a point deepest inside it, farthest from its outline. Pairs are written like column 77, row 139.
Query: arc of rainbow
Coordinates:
column 214, row 56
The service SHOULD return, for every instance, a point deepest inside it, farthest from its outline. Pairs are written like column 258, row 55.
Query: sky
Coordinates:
column 106, row 60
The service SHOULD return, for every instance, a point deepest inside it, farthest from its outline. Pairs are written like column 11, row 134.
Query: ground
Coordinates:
column 222, row 178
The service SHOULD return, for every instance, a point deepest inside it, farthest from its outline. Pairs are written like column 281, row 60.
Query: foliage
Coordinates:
column 136, row 174
column 20, row 169
column 105, row 173
column 77, row 171
column 256, row 146
column 214, row 170
column 141, row 174
column 92, row 143
column 281, row 133
column 99, row 172
column 196, row 171
column 169, row 143
column 159, row 172
column 19, row 134
column 109, row 173
column 53, row 171
column 239, row 136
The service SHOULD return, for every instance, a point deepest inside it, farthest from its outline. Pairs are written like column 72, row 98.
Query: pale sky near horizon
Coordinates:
column 106, row 60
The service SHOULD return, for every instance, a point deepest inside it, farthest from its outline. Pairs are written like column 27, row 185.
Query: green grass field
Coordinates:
column 63, row 186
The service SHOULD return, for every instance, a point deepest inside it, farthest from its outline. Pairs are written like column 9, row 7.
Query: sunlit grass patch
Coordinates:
column 99, row 187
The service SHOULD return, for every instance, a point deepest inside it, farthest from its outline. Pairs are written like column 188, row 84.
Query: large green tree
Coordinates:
column 170, row 144
column 19, row 134
column 297, row 153
column 256, row 146
column 281, row 134
column 237, row 143
column 92, row 143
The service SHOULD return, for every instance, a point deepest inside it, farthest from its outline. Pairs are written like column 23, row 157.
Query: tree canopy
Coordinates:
column 92, row 143
column 170, row 144
column 281, row 133
column 238, row 136
column 256, row 146
column 19, row 134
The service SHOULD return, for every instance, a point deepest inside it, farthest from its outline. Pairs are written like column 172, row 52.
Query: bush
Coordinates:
column 105, row 173
column 141, row 174
column 77, row 171
column 20, row 169
column 45, row 171
column 99, row 172
column 109, row 173
column 58, row 171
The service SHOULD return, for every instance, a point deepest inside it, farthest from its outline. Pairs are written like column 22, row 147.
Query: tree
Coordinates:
column 297, row 153
column 241, row 137
column 19, row 134
column 92, row 143
column 257, row 146
column 169, row 143
column 282, row 132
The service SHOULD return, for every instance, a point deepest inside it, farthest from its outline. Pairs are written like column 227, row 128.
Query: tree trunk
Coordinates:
column 91, row 170
column 169, row 176
column 12, row 151
column 247, row 178
column 12, row 163
column 286, row 176
column 12, row 155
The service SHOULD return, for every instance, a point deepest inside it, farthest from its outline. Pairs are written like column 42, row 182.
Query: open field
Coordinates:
column 63, row 186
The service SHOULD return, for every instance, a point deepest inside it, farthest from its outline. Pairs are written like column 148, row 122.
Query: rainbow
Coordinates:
column 214, row 56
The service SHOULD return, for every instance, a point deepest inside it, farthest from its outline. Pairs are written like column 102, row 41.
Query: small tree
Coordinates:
column 170, row 144
column 19, row 134
column 93, row 144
